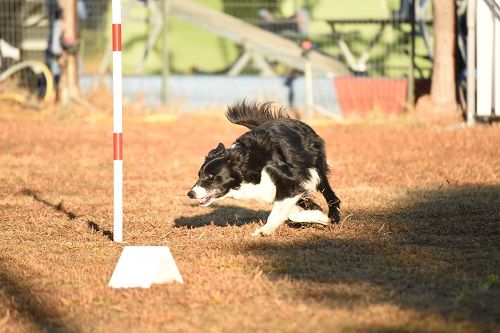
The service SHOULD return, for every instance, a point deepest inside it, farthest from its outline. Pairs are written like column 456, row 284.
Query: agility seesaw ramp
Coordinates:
column 253, row 37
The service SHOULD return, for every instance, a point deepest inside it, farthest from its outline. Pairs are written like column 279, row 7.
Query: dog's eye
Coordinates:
column 209, row 176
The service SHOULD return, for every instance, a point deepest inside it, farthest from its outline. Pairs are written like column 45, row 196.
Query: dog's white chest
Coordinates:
column 264, row 191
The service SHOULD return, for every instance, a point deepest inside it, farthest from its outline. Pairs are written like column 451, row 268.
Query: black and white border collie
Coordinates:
column 278, row 161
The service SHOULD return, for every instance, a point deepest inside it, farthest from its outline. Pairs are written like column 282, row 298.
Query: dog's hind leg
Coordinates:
column 307, row 203
column 279, row 214
column 308, row 211
column 331, row 198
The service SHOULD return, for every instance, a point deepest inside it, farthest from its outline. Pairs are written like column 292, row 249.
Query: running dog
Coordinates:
column 278, row 161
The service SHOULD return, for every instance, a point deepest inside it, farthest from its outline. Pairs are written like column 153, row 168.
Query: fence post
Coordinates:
column 411, row 74
column 471, row 61
column 164, row 53
column 485, row 27
column 308, row 76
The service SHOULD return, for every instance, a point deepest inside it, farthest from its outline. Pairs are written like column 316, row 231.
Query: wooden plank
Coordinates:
column 258, row 39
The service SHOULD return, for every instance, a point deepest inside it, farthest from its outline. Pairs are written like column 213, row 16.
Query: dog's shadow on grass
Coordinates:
column 223, row 215
column 436, row 252
column 71, row 215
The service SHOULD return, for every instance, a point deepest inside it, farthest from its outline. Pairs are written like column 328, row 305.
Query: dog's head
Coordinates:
column 216, row 177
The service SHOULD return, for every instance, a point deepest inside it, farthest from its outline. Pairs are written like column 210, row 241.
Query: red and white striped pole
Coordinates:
column 117, row 122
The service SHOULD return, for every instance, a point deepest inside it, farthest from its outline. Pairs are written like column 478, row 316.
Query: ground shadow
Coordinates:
column 60, row 208
column 438, row 251
column 28, row 303
column 223, row 215
column 42, row 314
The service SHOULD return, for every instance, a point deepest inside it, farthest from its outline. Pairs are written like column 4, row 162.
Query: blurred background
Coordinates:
column 332, row 57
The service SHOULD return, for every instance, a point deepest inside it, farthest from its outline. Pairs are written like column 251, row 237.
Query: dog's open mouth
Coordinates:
column 208, row 199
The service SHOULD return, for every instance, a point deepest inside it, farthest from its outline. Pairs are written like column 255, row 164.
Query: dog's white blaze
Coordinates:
column 264, row 191
column 199, row 192
column 312, row 183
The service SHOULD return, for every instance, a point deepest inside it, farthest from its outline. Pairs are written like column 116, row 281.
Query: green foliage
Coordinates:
column 247, row 9
column 491, row 280
column 193, row 48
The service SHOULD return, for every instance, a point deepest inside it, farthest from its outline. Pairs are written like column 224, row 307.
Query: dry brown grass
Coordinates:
column 417, row 251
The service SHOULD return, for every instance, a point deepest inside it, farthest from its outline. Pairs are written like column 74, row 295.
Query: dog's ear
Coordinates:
column 220, row 148
column 220, row 151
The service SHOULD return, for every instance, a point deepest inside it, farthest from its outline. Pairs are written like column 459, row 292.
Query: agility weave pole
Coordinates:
column 116, row 23
column 138, row 266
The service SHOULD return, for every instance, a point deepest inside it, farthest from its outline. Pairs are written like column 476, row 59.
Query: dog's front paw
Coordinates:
column 334, row 215
column 262, row 232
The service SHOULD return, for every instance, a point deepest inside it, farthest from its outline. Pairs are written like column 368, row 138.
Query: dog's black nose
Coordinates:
column 191, row 194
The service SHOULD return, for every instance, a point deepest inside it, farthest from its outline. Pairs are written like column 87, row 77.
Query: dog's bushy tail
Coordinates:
column 252, row 115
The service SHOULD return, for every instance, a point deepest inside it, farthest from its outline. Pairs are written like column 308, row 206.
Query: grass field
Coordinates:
column 417, row 249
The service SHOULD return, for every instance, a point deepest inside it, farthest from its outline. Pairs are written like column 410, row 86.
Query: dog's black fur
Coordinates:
column 285, row 147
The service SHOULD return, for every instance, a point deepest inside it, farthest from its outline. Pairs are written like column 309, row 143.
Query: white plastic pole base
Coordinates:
column 141, row 266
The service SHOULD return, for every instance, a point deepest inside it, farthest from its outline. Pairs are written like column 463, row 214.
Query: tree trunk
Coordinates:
column 443, row 86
